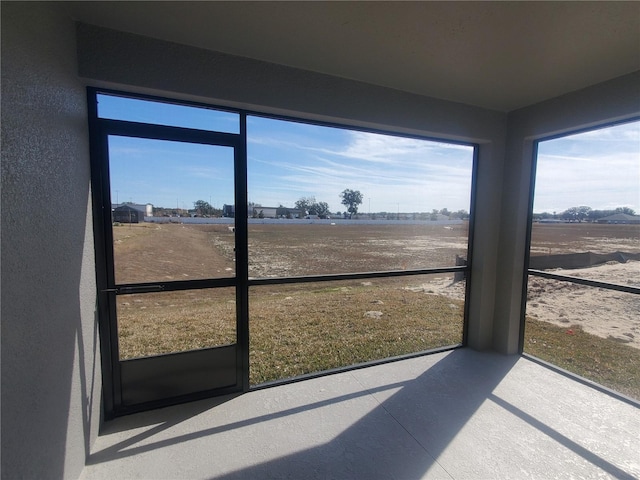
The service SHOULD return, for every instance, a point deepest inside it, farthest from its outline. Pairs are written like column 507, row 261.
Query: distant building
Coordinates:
column 275, row 212
column 263, row 212
column 229, row 211
column 128, row 214
column 146, row 209
column 286, row 212
column 620, row 218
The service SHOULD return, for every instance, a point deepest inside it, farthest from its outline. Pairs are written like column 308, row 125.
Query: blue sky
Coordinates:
column 599, row 169
column 169, row 174
column 289, row 160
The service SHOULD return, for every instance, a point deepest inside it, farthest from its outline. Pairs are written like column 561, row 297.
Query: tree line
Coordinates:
column 582, row 214
column 351, row 199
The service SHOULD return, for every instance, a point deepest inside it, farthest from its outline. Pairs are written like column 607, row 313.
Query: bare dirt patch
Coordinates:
column 549, row 239
column 601, row 312
column 295, row 250
column 605, row 313
column 149, row 252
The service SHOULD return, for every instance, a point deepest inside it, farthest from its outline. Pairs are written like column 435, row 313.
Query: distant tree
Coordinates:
column 203, row 208
column 578, row 214
column 596, row 214
column 321, row 209
column 261, row 214
column 305, row 203
column 445, row 212
column 461, row 214
column 351, row 199
column 310, row 206
column 570, row 214
column 536, row 217
column 625, row 210
column 583, row 213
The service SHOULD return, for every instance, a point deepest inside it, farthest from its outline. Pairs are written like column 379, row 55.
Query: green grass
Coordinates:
column 603, row 360
column 311, row 328
column 167, row 322
column 294, row 329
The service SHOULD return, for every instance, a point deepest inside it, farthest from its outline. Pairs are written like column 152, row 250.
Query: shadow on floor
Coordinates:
column 409, row 426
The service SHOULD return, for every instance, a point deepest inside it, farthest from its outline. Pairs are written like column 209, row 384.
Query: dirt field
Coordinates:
column 550, row 239
column 284, row 316
column 157, row 252
column 149, row 252
column 293, row 250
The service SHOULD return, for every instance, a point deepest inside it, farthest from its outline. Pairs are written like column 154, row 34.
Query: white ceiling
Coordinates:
column 497, row 55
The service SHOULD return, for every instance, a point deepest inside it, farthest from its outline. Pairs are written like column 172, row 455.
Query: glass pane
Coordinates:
column 592, row 332
column 160, row 323
column 168, row 114
column 304, row 328
column 587, row 197
column 331, row 200
column 168, row 215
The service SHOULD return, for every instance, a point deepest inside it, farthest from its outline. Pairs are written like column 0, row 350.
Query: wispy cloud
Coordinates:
column 600, row 169
column 391, row 172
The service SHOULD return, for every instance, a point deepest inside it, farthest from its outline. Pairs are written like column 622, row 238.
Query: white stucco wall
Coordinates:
column 612, row 101
column 50, row 367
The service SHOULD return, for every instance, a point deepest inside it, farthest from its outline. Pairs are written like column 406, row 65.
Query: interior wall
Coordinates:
column 50, row 366
column 108, row 58
column 611, row 101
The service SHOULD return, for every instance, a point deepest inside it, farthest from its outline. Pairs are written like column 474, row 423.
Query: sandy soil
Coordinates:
column 605, row 313
column 601, row 312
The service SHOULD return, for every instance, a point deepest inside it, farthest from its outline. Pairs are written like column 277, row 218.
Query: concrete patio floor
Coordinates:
column 454, row 415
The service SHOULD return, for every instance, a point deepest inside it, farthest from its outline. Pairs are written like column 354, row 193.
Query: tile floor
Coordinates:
column 453, row 415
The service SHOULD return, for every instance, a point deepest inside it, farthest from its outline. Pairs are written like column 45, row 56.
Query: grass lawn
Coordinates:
column 602, row 360
column 309, row 328
column 294, row 329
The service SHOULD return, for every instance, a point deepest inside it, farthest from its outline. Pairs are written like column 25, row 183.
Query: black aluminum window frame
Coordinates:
column 108, row 288
column 527, row 271
column 243, row 281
